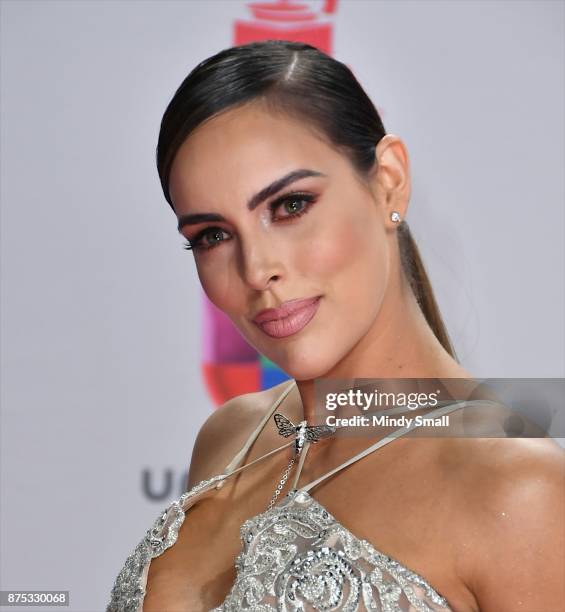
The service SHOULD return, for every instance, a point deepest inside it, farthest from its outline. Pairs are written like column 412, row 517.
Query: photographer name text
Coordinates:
column 387, row 421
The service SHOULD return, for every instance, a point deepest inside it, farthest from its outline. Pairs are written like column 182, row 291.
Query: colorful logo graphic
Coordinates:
column 284, row 20
column 230, row 365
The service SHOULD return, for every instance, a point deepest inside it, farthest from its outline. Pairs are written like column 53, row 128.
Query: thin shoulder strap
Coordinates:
column 438, row 412
column 234, row 463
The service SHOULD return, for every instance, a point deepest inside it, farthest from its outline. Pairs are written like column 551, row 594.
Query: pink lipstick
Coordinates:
column 289, row 318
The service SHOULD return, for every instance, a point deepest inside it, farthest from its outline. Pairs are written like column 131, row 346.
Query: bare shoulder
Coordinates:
column 513, row 521
column 225, row 431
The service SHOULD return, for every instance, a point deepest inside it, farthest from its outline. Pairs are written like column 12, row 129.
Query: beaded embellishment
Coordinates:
column 294, row 557
column 128, row 591
column 297, row 557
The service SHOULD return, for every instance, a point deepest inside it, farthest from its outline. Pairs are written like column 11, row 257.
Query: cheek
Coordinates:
column 350, row 252
column 349, row 264
column 217, row 283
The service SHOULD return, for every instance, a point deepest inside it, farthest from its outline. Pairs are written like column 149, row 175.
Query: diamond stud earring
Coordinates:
column 394, row 216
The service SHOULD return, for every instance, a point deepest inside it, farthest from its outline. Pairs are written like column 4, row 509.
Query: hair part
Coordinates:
column 300, row 81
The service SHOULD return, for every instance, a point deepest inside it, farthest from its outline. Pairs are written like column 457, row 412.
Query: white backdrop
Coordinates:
column 100, row 305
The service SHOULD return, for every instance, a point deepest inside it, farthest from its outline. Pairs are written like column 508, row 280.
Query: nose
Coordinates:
column 261, row 263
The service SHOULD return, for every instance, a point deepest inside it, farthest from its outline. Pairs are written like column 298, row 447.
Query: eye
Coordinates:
column 199, row 243
column 295, row 204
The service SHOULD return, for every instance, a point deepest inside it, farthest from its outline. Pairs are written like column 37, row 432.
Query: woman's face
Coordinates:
column 321, row 235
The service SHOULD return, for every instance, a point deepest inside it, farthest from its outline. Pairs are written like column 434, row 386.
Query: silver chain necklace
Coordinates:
column 303, row 433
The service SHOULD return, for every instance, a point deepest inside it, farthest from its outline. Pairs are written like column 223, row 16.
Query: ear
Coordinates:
column 391, row 177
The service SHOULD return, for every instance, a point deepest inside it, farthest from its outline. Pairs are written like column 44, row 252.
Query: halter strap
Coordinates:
column 234, row 463
column 388, row 438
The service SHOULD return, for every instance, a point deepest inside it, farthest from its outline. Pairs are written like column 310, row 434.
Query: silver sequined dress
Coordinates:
column 294, row 557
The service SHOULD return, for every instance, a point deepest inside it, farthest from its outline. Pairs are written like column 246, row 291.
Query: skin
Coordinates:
column 507, row 494
column 345, row 249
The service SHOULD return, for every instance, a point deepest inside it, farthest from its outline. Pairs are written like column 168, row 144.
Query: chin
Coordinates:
column 306, row 359
column 304, row 367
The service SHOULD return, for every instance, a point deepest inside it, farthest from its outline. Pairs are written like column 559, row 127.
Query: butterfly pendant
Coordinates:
column 302, row 431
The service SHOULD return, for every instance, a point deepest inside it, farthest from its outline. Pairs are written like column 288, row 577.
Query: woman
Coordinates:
column 292, row 198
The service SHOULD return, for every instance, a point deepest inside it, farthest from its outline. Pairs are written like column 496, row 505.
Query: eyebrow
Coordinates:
column 255, row 200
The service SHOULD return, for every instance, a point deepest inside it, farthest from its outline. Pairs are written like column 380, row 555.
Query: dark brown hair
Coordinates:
column 301, row 81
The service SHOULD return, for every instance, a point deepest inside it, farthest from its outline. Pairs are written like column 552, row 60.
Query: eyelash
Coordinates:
column 194, row 244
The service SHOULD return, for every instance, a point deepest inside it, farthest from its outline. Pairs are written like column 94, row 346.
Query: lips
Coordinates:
column 285, row 309
column 289, row 318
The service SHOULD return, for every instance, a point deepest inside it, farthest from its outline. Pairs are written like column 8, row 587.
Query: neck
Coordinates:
column 399, row 345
